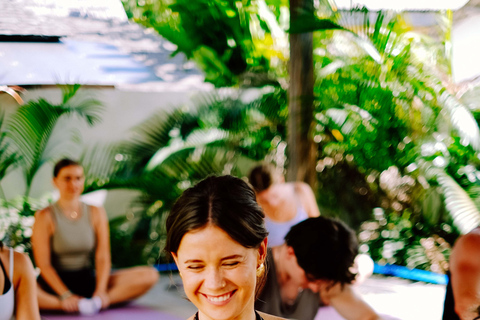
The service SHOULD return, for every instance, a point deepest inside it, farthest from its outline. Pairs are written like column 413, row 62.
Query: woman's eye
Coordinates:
column 231, row 264
column 195, row 267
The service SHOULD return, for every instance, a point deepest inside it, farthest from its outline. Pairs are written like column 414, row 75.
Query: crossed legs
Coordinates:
column 123, row 285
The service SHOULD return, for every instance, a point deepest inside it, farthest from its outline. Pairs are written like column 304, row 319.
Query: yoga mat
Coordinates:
column 329, row 313
column 411, row 274
column 120, row 313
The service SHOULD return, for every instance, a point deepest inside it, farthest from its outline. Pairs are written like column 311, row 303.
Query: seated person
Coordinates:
column 284, row 204
column 462, row 299
column 217, row 236
column 17, row 286
column 313, row 268
column 66, row 236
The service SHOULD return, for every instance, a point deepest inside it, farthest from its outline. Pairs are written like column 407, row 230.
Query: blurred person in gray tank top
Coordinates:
column 71, row 246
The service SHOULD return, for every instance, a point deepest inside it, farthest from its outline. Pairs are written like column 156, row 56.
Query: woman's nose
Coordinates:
column 214, row 279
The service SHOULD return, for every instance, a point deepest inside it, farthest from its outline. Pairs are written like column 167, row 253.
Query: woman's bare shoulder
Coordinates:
column 266, row 316
column 44, row 218
column 43, row 213
column 97, row 213
column 23, row 267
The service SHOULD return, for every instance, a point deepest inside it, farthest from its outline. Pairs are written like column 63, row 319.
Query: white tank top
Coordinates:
column 7, row 301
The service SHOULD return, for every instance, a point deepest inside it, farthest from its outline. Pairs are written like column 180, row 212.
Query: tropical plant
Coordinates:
column 171, row 151
column 381, row 104
column 390, row 131
column 233, row 42
column 30, row 134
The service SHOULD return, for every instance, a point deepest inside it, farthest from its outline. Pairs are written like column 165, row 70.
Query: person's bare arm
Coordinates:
column 465, row 275
column 41, row 233
column 307, row 198
column 25, row 284
column 267, row 316
column 347, row 302
column 103, row 262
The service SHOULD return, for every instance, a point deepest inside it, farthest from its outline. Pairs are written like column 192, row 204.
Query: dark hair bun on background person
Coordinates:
column 65, row 162
column 226, row 202
column 325, row 248
column 262, row 177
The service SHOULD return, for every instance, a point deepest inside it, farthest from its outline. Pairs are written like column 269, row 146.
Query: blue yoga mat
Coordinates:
column 411, row 274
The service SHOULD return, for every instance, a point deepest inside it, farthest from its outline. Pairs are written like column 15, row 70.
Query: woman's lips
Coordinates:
column 219, row 300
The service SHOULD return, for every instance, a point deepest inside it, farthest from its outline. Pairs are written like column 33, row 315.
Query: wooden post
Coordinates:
column 301, row 147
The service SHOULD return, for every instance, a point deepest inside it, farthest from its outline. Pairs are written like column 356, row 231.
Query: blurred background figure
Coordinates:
column 462, row 299
column 220, row 280
column 284, row 204
column 66, row 237
column 17, row 286
column 313, row 268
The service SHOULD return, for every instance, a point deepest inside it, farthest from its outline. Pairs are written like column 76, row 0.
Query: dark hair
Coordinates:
column 262, row 177
column 325, row 248
column 65, row 162
column 226, row 202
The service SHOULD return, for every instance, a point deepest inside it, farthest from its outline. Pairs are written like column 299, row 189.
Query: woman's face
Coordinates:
column 70, row 181
column 219, row 274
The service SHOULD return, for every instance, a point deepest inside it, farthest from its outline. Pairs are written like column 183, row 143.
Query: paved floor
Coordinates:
column 394, row 298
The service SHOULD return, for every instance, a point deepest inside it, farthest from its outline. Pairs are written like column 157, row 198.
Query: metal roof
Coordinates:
column 89, row 42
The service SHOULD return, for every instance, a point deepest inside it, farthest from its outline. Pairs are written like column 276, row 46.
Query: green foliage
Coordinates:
column 227, row 39
column 30, row 130
column 399, row 238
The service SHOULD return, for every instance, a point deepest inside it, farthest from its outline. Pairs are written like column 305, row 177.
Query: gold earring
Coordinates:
column 260, row 270
column 180, row 275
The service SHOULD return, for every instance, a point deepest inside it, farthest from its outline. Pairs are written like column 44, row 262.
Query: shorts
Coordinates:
column 80, row 282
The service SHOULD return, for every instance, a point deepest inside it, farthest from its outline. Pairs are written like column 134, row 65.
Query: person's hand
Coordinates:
column 70, row 304
column 104, row 297
column 328, row 290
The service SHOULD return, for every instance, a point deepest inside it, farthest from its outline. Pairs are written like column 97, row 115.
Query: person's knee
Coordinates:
column 150, row 276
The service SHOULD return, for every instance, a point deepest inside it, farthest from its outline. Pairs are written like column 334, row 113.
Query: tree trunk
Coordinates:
column 301, row 147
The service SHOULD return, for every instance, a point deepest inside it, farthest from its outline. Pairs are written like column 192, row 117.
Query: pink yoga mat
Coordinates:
column 329, row 313
column 121, row 313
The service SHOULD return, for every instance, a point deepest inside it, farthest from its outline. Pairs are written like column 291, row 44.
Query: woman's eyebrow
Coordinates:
column 234, row 256
column 193, row 261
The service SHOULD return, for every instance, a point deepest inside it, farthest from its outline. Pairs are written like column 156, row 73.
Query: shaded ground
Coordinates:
column 394, row 298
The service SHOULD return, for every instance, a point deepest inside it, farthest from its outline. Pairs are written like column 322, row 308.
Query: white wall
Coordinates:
column 123, row 110
column 466, row 49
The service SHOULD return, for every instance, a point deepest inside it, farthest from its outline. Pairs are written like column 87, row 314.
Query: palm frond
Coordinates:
column 461, row 119
column 197, row 139
column 465, row 214
column 30, row 130
column 8, row 159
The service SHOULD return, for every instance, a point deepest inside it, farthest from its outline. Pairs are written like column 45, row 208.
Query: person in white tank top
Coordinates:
column 284, row 204
column 17, row 286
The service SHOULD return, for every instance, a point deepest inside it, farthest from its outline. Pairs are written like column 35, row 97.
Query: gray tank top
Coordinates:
column 269, row 301
column 73, row 241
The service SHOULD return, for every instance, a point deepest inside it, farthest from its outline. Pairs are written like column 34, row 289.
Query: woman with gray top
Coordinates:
column 71, row 246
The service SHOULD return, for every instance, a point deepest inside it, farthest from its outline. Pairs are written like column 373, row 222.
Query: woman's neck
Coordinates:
column 251, row 316
column 69, row 204
column 278, row 256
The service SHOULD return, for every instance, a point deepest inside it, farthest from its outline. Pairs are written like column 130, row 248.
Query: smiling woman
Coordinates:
column 217, row 236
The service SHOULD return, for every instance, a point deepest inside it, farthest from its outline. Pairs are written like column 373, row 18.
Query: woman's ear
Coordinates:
column 175, row 258
column 262, row 251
